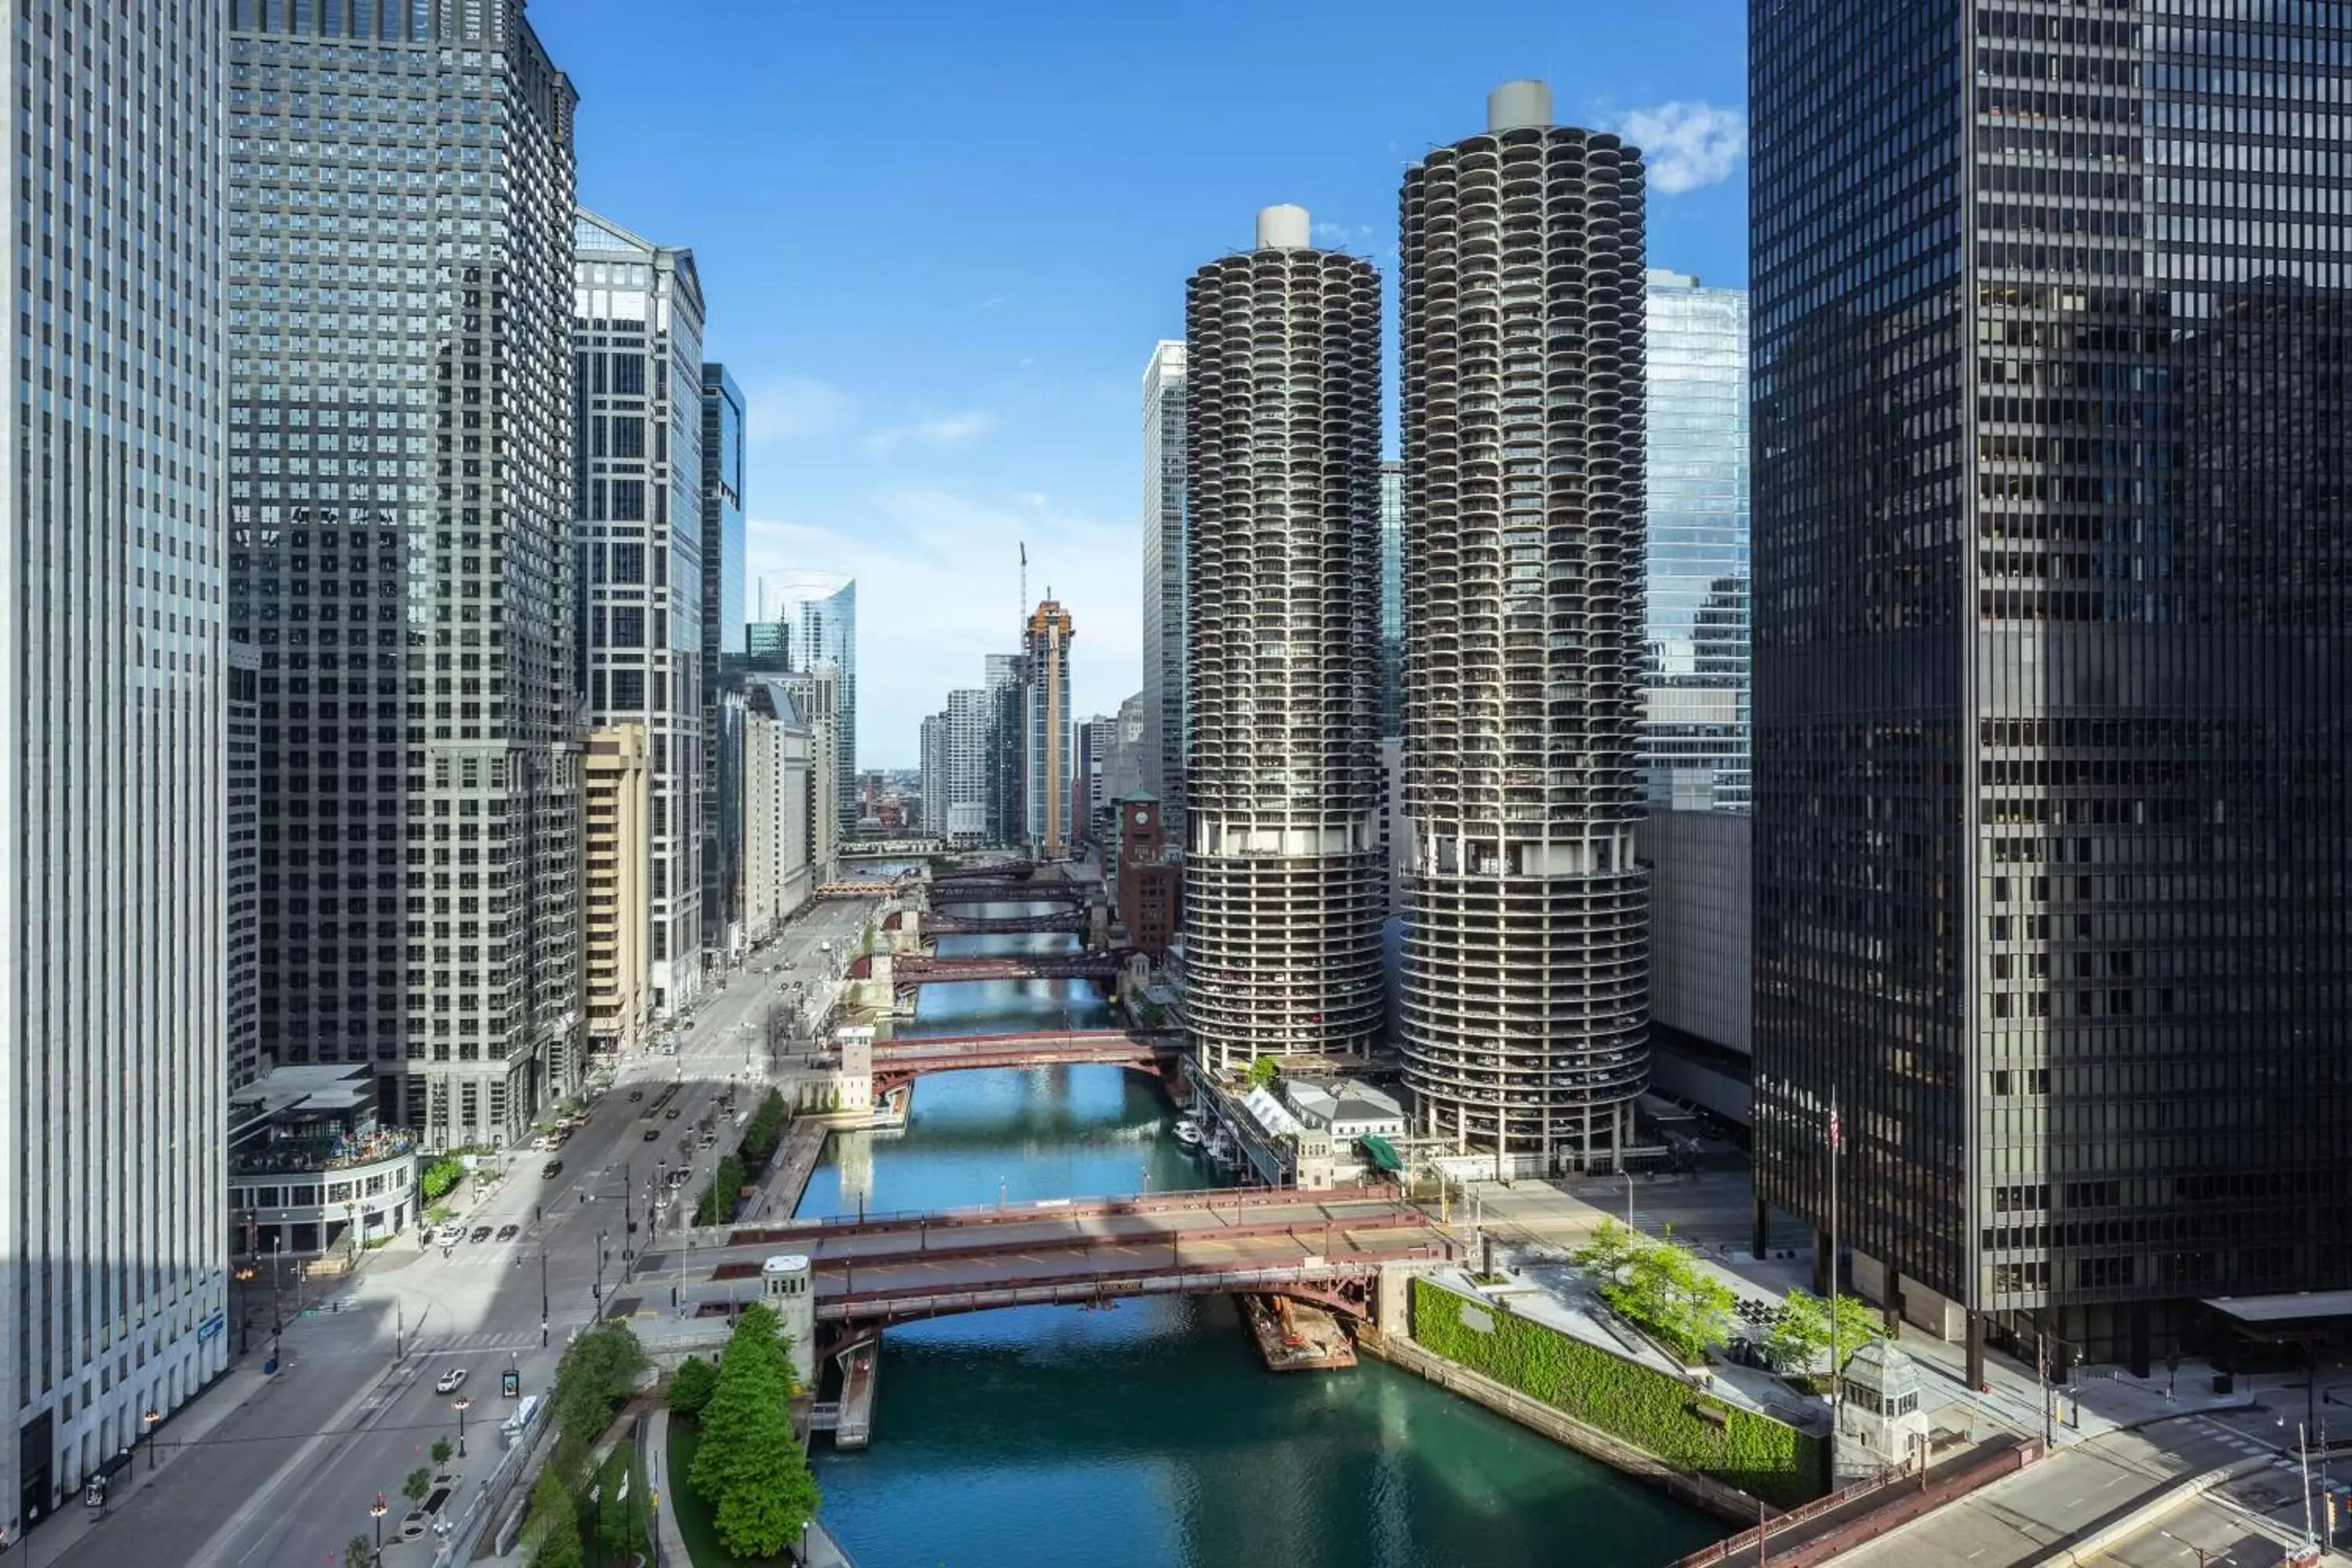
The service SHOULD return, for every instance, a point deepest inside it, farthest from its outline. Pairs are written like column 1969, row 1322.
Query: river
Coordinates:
column 1149, row 1435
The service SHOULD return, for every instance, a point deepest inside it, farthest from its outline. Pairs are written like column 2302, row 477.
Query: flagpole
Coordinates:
column 1837, row 1383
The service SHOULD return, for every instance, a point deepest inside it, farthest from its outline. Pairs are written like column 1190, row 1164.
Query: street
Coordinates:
column 289, row 1475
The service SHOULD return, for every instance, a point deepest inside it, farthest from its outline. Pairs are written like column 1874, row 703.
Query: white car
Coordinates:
column 451, row 1381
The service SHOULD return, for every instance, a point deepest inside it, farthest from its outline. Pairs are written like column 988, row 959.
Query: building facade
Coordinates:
column 1282, row 878
column 1391, row 600
column 816, row 697
column 1147, row 875
column 781, row 786
column 112, row 771
column 617, row 863
column 242, row 865
column 1695, row 686
column 818, row 613
column 723, row 650
column 1164, row 553
column 1526, row 981
column 1088, row 800
column 1008, row 811
column 1049, row 733
column 2052, row 641
column 963, row 818
column 399, row 548
column 934, row 772
column 637, row 496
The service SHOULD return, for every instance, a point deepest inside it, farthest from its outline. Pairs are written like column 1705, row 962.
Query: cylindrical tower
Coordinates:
column 1526, row 981
column 1282, row 882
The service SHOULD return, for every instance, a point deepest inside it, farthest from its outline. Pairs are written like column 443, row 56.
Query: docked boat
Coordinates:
column 1188, row 1132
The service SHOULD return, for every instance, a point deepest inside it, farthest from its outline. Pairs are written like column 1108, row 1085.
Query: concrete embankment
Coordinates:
column 788, row 1172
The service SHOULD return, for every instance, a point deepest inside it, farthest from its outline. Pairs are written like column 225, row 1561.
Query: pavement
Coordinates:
column 262, row 1471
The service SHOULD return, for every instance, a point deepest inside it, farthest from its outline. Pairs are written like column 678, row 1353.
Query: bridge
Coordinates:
column 972, row 890
column 848, row 889
column 899, row 1062
column 982, row 925
column 1006, row 870
column 891, row 848
column 876, row 1270
column 909, row 971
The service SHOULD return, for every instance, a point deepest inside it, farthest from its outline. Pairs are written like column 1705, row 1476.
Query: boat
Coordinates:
column 1188, row 1132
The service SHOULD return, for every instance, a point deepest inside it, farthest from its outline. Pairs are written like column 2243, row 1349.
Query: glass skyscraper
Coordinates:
column 1166, row 729
column 399, row 327
column 1694, row 655
column 723, row 649
column 818, row 613
column 2053, row 656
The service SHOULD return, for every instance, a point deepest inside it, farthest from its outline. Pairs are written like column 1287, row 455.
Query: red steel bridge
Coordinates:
column 909, row 971
column 935, row 925
column 899, row 1062
column 994, row 871
column 974, row 891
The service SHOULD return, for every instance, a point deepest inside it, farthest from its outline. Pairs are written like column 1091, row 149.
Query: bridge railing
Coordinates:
column 1207, row 1199
column 1181, row 1279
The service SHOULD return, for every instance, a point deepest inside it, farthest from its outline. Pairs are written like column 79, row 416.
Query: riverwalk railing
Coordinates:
column 1898, row 1494
column 1070, row 1290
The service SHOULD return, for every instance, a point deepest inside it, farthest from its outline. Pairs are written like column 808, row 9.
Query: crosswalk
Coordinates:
column 2240, row 1442
column 495, row 1342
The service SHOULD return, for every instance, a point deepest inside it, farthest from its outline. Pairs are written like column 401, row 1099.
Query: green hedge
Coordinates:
column 763, row 1131
column 1649, row 1409
column 439, row 1176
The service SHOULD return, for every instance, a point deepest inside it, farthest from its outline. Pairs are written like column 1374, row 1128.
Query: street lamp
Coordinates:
column 151, row 1417
column 462, row 1404
column 376, row 1511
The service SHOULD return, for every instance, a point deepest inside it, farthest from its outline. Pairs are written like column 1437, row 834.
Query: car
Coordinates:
column 481, row 1233
column 551, row 1170
column 508, row 1232
column 671, row 1113
column 451, row 1381
column 652, row 1133
column 636, row 1095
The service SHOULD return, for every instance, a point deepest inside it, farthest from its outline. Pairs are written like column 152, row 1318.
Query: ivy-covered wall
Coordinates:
column 1647, row 1408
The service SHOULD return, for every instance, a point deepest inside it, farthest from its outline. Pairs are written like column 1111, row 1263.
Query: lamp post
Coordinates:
column 151, row 1417
column 376, row 1511
column 543, row 1295
column 462, row 1404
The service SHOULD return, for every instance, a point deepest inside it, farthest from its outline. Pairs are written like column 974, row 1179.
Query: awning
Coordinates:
column 1383, row 1153
column 2290, row 1307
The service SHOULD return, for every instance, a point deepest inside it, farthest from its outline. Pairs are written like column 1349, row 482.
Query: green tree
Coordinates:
column 596, row 1373
column 1262, row 1073
column 748, row 1468
column 692, row 1387
column 442, row 1450
column 1659, row 1287
column 1799, row 1335
column 552, row 1527
column 615, row 1505
column 719, row 1199
column 1608, row 1251
column 360, row 1552
column 419, row 1486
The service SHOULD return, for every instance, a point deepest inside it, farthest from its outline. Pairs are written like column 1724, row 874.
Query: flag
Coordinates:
column 625, row 1487
column 1835, row 1144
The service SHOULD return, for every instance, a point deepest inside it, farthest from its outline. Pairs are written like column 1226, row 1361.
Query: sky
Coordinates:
column 939, row 239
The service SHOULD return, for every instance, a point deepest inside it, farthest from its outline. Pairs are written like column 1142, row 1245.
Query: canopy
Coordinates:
column 1383, row 1153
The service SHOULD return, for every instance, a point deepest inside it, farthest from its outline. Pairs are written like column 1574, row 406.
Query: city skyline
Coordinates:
column 897, row 433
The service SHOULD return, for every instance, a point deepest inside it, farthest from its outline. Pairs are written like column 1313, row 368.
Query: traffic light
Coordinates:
column 511, row 1383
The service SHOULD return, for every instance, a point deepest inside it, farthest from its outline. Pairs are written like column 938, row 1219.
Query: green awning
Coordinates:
column 1383, row 1153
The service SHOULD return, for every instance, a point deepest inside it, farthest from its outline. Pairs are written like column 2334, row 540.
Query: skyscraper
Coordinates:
column 638, row 495
column 1525, row 978
column 934, row 757
column 964, row 814
column 821, row 611
column 1392, row 708
column 1695, row 662
column 2052, row 643
column 112, row 771
column 617, row 863
column 1049, row 743
column 1008, row 812
column 723, row 657
column 399, row 547
column 1284, row 892
column 1163, row 581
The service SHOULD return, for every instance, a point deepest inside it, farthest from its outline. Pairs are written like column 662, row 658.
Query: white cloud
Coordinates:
column 795, row 408
column 938, row 587
column 1337, row 236
column 1687, row 145
column 937, row 434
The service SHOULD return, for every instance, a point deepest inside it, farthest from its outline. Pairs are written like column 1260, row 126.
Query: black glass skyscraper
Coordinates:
column 2052, row 551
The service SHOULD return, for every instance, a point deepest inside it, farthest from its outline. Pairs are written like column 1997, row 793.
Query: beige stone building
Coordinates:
column 616, row 781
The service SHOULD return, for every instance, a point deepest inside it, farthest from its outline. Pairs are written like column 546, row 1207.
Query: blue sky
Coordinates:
column 939, row 239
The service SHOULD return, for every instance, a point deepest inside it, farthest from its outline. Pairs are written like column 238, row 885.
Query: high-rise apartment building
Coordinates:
column 1526, row 981
column 1096, row 737
column 781, row 786
column 1164, row 555
column 114, row 1220
column 1008, row 811
column 963, row 816
column 616, row 864
column 638, row 498
column 723, row 544
column 2051, row 649
column 816, row 698
column 399, row 332
column 818, row 611
column 1283, row 884
column 934, row 772
column 1695, row 658
column 1391, row 706
column 1048, row 741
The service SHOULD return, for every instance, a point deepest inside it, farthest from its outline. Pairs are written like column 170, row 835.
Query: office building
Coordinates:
column 242, row 863
column 1164, row 553
column 1694, row 656
column 934, row 770
column 1391, row 600
column 818, row 614
column 723, row 656
column 2052, row 650
column 1007, row 685
column 1089, row 802
column 1525, row 985
column 113, row 769
column 1147, row 875
column 1125, row 761
column 1702, row 958
column 781, row 808
column 617, row 791
column 963, row 814
column 638, row 496
column 400, row 476
column 1048, row 741
column 817, row 699
column 1283, row 881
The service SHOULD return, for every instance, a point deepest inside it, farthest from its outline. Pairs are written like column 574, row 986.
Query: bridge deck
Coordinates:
column 1220, row 1201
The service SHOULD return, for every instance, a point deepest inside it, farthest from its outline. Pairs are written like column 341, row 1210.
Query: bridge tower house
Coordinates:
column 787, row 1285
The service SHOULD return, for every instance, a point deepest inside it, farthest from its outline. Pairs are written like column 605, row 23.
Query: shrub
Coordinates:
column 439, row 1177
column 691, row 1388
column 1650, row 1409
column 719, row 1199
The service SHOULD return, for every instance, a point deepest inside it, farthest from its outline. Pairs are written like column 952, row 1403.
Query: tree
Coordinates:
column 1262, row 1073
column 1608, row 1251
column 1799, row 1335
column 719, row 1199
column 596, row 1373
column 419, row 1485
column 360, row 1552
column 552, row 1528
column 1660, row 1288
column 442, row 1450
column 615, row 1507
column 749, row 1467
column 691, row 1388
